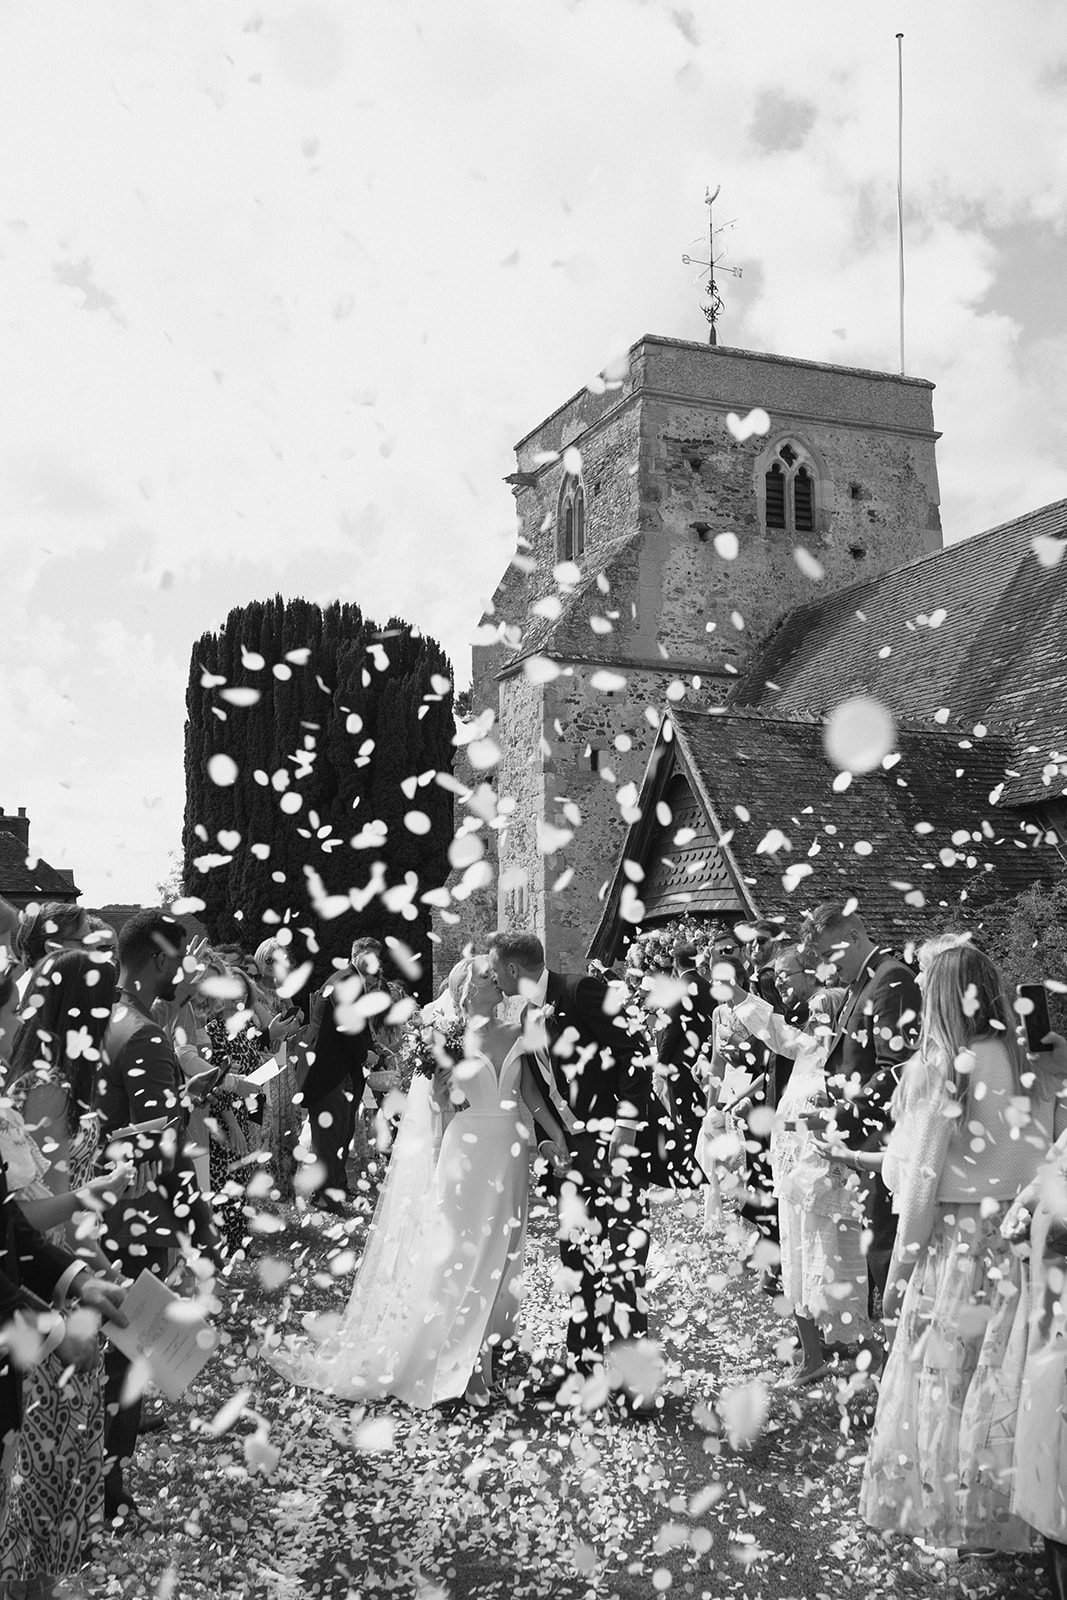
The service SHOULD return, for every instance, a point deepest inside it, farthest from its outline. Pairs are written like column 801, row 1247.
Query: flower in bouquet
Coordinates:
column 427, row 1049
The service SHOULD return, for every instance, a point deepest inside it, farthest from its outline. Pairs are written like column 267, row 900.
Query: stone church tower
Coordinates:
column 683, row 543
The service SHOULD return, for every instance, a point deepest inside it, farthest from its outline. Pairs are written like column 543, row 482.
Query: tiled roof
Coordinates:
column 792, row 840
column 977, row 628
column 775, row 771
column 571, row 633
column 18, row 881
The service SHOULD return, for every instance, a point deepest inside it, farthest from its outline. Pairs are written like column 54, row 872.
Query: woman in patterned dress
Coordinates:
column 48, row 1141
column 229, row 1038
column 282, row 1023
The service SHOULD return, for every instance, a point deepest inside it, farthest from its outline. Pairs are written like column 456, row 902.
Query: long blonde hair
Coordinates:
column 964, row 1001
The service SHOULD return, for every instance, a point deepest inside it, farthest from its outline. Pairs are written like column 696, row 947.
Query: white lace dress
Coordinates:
column 440, row 1276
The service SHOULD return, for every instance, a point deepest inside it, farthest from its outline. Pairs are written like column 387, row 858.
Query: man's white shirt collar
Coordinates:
column 540, row 991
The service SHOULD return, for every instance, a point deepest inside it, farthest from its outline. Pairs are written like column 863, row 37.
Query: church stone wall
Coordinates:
column 705, row 483
column 579, row 718
column 611, row 478
column 520, row 786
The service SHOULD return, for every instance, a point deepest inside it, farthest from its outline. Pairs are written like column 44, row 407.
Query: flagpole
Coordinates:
column 900, row 190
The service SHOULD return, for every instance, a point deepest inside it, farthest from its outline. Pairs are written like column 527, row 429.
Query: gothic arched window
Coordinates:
column 571, row 520
column 790, row 490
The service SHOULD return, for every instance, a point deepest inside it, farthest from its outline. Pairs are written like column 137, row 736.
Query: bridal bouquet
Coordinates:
column 427, row 1050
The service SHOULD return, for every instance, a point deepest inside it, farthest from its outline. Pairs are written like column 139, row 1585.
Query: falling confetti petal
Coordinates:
column 859, row 733
column 742, row 428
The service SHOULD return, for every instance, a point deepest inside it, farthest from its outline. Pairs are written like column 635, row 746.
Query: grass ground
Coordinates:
column 730, row 1491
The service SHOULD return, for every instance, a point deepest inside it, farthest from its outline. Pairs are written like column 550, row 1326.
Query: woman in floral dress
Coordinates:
column 979, row 1119
column 229, row 1039
column 282, row 1024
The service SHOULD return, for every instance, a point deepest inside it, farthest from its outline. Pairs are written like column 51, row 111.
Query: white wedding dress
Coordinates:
column 439, row 1278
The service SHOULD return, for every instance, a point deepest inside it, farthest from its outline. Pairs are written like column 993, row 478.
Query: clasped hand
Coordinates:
column 97, row 1298
column 555, row 1154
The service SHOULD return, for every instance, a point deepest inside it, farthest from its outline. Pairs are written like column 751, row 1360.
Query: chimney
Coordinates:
column 18, row 825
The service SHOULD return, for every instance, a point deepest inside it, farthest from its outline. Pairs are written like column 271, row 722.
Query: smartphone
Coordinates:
column 1036, row 1021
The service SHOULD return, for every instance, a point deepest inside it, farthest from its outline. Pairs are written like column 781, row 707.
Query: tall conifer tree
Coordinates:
column 330, row 721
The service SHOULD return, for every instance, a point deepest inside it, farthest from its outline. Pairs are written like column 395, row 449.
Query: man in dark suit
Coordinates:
column 877, row 1030
column 685, row 1045
column 335, row 1050
column 588, row 1062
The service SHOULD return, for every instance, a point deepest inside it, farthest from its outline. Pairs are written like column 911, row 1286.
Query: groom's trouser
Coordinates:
column 882, row 1222
column 332, row 1120
column 608, row 1257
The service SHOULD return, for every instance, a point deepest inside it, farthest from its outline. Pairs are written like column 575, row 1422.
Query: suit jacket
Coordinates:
column 877, row 1030
column 142, row 1081
column 595, row 1063
column 779, row 1068
column 336, row 1059
column 30, row 1270
column 592, row 1055
column 688, row 1036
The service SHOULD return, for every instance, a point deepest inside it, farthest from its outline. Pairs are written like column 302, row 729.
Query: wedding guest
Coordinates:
column 684, row 1047
column 940, row 1456
column 236, row 1046
column 51, row 926
column 283, row 1024
column 30, row 1266
column 48, row 1141
column 336, row 1051
column 770, row 941
column 1037, row 1222
column 102, row 938
column 875, row 1033
column 10, row 959
column 820, row 1210
column 142, row 1083
column 383, row 1074
column 740, row 1062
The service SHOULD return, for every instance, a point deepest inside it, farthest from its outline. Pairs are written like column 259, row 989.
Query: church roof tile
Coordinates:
column 975, row 629
column 923, row 827
column 901, row 839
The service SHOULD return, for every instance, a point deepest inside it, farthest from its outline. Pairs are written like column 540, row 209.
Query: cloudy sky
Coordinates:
column 281, row 284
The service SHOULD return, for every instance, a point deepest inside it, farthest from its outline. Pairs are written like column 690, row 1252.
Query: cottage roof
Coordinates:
column 20, row 882
column 976, row 629
column 899, row 839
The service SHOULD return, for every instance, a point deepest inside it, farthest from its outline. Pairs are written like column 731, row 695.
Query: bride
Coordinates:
column 437, row 1290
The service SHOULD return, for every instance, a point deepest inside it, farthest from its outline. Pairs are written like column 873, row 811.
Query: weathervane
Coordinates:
column 713, row 305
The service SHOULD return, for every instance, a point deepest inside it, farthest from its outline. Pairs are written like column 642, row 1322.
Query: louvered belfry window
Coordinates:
column 803, row 501
column 776, row 497
column 790, row 491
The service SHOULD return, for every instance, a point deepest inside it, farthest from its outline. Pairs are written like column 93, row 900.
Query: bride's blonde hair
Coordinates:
column 461, row 981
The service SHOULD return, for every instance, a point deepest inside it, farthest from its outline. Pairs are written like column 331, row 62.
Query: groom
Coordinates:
column 590, row 1075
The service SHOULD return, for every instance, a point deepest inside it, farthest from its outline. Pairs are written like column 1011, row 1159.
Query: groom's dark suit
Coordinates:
column 593, row 1081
